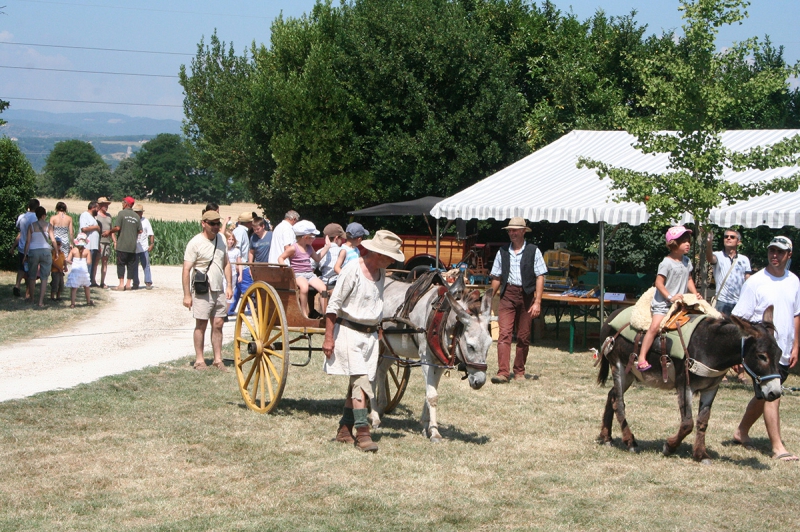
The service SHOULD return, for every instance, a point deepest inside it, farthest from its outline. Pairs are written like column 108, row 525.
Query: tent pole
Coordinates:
column 437, row 243
column 602, row 267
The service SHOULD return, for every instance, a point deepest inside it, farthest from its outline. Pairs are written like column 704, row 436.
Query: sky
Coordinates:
column 173, row 28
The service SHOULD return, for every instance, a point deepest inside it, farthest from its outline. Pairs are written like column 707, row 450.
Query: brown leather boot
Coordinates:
column 345, row 434
column 364, row 440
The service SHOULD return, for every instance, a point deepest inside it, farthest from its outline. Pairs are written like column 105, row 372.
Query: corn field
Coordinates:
column 170, row 239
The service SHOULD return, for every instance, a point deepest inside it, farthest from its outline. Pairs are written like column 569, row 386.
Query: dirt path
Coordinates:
column 134, row 330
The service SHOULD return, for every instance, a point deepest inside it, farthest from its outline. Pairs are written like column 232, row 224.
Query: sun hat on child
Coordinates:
column 675, row 232
column 80, row 240
column 305, row 227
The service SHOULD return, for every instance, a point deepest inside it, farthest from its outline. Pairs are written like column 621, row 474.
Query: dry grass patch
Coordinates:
column 170, row 448
column 21, row 321
column 175, row 212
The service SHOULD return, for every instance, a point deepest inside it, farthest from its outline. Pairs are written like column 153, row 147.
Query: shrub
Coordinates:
column 17, row 185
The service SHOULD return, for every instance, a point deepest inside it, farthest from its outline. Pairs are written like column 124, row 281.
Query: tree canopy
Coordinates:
column 387, row 100
column 696, row 91
column 63, row 166
column 17, row 182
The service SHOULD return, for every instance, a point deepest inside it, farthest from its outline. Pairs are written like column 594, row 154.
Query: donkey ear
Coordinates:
column 458, row 287
column 745, row 326
column 486, row 304
column 769, row 314
column 463, row 314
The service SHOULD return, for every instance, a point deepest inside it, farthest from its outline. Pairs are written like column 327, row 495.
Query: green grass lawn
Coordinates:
column 170, row 448
column 22, row 321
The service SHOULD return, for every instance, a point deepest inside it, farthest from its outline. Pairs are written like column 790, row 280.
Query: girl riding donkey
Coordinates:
column 673, row 279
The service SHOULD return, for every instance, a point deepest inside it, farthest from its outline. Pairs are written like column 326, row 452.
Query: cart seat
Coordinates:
column 281, row 278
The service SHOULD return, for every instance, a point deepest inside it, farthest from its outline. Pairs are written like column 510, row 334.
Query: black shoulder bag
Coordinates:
column 200, row 282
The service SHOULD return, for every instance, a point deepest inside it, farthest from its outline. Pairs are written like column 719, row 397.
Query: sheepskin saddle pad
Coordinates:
column 639, row 318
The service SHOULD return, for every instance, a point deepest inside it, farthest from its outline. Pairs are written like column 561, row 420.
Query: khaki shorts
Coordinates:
column 105, row 249
column 208, row 305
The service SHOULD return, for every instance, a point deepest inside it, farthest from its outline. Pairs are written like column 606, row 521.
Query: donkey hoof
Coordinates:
column 667, row 451
column 436, row 439
column 607, row 443
column 634, row 450
column 706, row 461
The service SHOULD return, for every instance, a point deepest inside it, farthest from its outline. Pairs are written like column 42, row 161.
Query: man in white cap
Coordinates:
column 777, row 287
column 518, row 272
column 354, row 312
column 283, row 236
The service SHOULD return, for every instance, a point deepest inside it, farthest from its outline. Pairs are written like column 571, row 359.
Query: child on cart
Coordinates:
column 300, row 254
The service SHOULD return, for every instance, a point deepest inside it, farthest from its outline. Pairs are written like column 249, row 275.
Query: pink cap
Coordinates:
column 674, row 233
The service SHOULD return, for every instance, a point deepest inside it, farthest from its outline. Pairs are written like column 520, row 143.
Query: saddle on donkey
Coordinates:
column 673, row 338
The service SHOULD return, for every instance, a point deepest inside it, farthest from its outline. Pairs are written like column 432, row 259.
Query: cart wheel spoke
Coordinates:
column 396, row 383
column 261, row 369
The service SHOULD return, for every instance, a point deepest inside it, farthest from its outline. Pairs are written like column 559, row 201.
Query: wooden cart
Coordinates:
column 270, row 325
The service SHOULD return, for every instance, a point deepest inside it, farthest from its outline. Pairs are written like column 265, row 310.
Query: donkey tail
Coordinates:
column 602, row 375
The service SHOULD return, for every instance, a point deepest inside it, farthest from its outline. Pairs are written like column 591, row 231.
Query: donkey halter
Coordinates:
column 756, row 379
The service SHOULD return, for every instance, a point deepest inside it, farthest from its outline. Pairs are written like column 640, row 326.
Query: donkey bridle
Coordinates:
column 756, row 379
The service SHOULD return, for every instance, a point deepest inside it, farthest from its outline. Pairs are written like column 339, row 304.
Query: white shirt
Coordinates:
column 242, row 241
column 514, row 277
column 733, row 283
column 87, row 220
column 282, row 236
column 143, row 240
column 23, row 221
column 762, row 290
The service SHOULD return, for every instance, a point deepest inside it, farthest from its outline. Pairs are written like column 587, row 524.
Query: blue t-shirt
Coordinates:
column 260, row 247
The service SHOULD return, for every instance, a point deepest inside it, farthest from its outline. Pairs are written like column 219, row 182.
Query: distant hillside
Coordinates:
column 25, row 123
column 111, row 149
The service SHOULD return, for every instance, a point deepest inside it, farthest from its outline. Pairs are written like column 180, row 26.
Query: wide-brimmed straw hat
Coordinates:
column 245, row 217
column 386, row 243
column 518, row 222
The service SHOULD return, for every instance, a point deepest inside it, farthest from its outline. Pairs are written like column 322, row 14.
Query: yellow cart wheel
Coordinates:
column 396, row 382
column 261, row 348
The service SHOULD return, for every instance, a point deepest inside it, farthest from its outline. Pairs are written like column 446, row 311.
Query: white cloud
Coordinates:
column 6, row 36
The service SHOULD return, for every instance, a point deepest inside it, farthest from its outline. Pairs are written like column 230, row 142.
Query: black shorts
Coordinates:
column 784, row 371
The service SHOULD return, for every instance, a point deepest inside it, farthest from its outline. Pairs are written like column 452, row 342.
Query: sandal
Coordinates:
column 200, row 365
column 220, row 366
column 90, row 304
column 645, row 367
column 72, row 305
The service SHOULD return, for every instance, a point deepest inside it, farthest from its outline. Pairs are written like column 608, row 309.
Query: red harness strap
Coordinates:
column 436, row 329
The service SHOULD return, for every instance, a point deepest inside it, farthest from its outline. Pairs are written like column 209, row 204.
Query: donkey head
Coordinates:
column 760, row 355
column 474, row 341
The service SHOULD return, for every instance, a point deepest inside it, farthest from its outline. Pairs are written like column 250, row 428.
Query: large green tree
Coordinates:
column 167, row 171
column 63, row 166
column 357, row 104
column 17, row 184
column 697, row 91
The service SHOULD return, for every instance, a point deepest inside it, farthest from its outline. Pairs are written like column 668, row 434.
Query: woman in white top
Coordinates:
column 38, row 253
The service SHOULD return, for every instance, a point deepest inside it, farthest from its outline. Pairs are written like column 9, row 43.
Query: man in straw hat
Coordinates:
column 518, row 272
column 106, row 222
column 355, row 310
column 207, row 255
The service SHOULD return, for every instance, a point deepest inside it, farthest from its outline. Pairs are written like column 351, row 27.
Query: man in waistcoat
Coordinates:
column 518, row 276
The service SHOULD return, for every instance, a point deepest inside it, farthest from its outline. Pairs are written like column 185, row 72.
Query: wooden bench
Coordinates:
column 281, row 278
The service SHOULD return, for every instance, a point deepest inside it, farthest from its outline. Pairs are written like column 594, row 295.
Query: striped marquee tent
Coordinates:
column 547, row 185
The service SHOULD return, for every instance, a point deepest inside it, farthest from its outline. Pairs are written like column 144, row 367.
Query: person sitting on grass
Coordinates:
column 672, row 281
column 300, row 254
column 80, row 258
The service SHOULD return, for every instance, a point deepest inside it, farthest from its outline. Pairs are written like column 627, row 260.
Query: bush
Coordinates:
column 17, row 186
